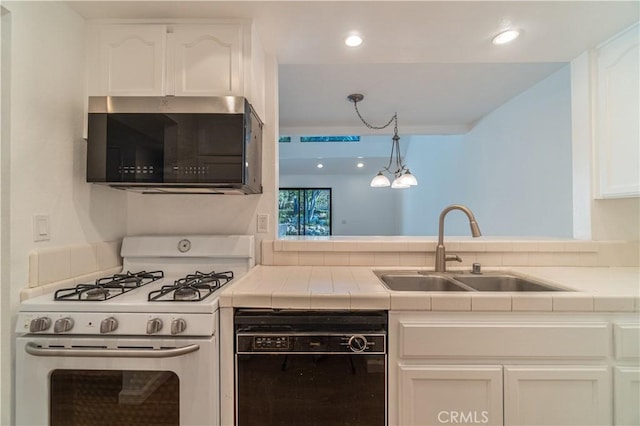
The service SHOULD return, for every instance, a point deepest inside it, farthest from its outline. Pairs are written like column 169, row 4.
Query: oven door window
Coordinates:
column 320, row 390
column 97, row 397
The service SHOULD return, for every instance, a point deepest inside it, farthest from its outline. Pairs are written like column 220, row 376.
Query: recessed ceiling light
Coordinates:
column 319, row 165
column 353, row 40
column 360, row 165
column 506, row 36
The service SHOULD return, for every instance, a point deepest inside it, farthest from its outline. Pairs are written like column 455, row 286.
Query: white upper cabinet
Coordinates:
column 128, row 60
column 205, row 60
column 617, row 115
column 159, row 60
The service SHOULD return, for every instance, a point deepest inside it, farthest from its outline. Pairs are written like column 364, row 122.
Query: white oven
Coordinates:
column 116, row 381
column 136, row 348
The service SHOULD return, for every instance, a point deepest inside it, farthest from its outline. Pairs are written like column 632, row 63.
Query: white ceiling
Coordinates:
column 432, row 62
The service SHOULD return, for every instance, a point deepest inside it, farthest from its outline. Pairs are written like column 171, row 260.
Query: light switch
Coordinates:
column 263, row 223
column 41, row 227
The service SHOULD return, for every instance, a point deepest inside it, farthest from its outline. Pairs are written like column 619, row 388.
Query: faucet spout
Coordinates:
column 441, row 257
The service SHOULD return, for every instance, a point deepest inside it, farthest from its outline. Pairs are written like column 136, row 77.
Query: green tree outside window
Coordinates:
column 304, row 211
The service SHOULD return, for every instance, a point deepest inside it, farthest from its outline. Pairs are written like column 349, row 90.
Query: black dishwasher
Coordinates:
column 323, row 368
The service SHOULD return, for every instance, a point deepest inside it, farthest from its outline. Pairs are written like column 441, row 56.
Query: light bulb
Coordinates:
column 353, row 40
column 408, row 179
column 506, row 36
column 380, row 181
column 397, row 184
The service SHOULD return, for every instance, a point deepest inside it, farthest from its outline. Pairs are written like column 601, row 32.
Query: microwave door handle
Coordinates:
column 34, row 349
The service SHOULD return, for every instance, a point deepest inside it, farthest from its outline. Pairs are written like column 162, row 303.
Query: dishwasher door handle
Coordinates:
column 33, row 349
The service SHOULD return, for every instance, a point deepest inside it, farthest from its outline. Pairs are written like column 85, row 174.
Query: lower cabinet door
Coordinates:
column 557, row 395
column 626, row 396
column 450, row 394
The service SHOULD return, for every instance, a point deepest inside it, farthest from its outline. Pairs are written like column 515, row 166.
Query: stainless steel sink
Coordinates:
column 456, row 281
column 504, row 282
column 419, row 282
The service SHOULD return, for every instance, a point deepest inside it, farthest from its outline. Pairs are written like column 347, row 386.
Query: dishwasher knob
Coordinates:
column 154, row 326
column 39, row 324
column 63, row 324
column 108, row 325
column 178, row 326
column 357, row 343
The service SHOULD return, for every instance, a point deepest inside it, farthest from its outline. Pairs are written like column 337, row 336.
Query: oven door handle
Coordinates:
column 33, row 349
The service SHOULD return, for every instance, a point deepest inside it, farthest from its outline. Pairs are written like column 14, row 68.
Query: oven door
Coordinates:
column 116, row 381
column 311, row 389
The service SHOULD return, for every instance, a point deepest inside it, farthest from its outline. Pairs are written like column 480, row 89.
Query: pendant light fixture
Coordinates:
column 402, row 177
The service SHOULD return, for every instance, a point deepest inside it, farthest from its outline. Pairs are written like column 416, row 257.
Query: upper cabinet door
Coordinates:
column 132, row 60
column 205, row 60
column 617, row 124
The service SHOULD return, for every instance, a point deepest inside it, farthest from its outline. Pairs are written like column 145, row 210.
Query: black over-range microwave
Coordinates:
column 175, row 144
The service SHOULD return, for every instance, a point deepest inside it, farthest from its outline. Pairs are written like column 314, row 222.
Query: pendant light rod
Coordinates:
column 402, row 176
column 358, row 97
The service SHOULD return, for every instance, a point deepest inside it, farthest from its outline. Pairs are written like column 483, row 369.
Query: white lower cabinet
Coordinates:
column 530, row 395
column 513, row 369
column 557, row 395
column 454, row 394
column 626, row 403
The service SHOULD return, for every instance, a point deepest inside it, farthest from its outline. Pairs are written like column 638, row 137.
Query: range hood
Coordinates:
column 175, row 145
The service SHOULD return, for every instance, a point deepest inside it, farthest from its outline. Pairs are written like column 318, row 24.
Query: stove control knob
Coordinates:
column 178, row 326
column 357, row 343
column 108, row 325
column 63, row 324
column 154, row 326
column 39, row 324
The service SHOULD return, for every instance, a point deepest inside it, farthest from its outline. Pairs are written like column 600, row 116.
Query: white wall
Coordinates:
column 5, row 293
column 513, row 169
column 357, row 208
column 47, row 163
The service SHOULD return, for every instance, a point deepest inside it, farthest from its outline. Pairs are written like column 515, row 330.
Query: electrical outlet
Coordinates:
column 263, row 223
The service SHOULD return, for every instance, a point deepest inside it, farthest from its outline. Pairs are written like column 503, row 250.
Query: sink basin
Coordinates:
column 503, row 283
column 407, row 280
column 418, row 282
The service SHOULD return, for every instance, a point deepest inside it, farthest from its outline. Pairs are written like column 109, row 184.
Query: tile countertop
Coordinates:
column 596, row 289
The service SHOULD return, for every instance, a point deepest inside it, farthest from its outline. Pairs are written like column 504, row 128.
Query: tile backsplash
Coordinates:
column 54, row 268
column 342, row 251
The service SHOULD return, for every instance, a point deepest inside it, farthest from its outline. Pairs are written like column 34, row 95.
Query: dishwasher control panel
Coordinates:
column 354, row 343
column 271, row 343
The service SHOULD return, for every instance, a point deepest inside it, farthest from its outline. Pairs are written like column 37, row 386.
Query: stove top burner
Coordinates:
column 191, row 288
column 108, row 287
column 185, row 293
column 98, row 293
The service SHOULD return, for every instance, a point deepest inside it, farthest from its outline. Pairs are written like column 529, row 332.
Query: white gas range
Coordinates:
column 137, row 347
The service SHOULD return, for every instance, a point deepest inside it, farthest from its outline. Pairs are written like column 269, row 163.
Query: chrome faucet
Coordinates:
column 441, row 256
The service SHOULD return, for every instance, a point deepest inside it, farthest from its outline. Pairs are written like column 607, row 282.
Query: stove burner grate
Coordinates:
column 108, row 287
column 191, row 288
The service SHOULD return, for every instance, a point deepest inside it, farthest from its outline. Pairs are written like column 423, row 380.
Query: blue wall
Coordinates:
column 513, row 169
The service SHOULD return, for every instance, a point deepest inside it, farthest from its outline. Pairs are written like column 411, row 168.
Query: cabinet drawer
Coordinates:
column 552, row 340
column 627, row 341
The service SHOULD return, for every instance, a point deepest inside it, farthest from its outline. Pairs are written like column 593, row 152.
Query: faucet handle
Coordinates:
column 450, row 257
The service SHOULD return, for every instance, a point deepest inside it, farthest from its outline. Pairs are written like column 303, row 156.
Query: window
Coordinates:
column 329, row 138
column 345, row 138
column 304, row 211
